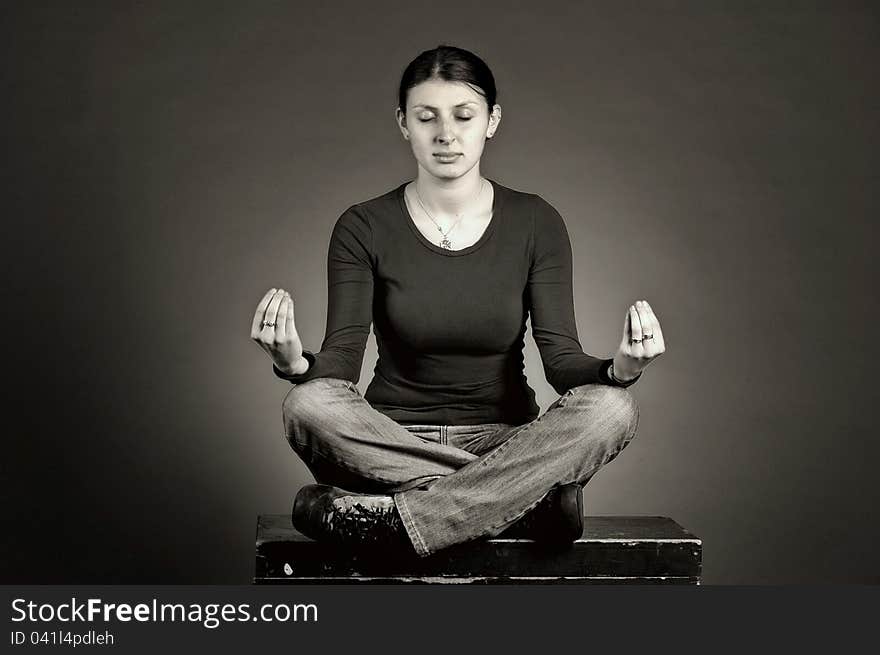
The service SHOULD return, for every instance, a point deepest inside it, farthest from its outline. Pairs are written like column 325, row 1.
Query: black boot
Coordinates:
column 326, row 513
column 557, row 519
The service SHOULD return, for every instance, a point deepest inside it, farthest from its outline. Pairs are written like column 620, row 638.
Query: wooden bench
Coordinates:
column 613, row 550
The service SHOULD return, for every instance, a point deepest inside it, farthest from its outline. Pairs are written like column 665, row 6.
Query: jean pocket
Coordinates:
column 425, row 432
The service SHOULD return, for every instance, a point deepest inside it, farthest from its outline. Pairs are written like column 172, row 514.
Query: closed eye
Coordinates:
column 461, row 118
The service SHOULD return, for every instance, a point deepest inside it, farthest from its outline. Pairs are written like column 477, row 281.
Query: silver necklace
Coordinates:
column 444, row 242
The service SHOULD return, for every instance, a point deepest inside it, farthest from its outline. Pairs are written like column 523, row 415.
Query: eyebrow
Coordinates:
column 461, row 104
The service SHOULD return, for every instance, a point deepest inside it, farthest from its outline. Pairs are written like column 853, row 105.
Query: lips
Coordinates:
column 447, row 155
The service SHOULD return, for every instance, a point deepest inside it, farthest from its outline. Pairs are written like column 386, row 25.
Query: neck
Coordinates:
column 449, row 197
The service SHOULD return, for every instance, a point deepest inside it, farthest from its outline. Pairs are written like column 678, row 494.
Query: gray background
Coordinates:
column 167, row 164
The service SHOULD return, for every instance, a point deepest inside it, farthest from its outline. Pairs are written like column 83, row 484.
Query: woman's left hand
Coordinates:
column 642, row 341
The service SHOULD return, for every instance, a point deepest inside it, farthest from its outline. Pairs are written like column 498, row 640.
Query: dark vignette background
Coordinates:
column 168, row 162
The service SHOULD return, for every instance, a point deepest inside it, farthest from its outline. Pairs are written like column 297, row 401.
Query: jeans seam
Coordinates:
column 408, row 523
column 635, row 428
column 609, row 456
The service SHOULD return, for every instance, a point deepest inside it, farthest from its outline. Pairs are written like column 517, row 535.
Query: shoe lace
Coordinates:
column 364, row 525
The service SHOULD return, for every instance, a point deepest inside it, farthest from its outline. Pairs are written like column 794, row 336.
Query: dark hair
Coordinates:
column 446, row 62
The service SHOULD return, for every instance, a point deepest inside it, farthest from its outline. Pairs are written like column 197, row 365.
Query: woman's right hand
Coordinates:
column 274, row 331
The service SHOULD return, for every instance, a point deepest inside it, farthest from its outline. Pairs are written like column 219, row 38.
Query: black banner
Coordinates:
column 397, row 619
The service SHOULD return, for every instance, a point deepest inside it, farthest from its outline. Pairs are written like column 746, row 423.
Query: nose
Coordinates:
column 445, row 133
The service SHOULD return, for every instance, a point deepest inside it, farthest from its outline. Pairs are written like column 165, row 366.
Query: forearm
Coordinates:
column 335, row 360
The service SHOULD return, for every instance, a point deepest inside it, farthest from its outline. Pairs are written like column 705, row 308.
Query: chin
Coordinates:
column 447, row 171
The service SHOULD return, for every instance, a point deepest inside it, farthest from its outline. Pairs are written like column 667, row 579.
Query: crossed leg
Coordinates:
column 446, row 495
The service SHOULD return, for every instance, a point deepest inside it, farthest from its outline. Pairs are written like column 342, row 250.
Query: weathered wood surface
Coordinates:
column 613, row 550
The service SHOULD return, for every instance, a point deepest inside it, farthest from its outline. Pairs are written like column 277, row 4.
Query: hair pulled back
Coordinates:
column 446, row 62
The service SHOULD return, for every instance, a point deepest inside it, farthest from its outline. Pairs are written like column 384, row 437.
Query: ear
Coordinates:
column 494, row 121
column 400, row 117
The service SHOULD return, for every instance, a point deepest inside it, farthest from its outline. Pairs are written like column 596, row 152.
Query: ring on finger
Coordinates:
column 268, row 324
column 632, row 341
column 647, row 336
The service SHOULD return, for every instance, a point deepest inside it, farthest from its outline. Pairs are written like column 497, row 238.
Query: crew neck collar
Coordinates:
column 497, row 202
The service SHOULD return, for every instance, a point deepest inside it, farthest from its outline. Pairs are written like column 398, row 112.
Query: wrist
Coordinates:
column 617, row 376
column 297, row 368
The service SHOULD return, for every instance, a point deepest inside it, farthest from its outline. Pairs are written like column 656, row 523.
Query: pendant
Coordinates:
column 446, row 243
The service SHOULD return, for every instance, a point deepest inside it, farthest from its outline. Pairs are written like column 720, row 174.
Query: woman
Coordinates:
column 446, row 444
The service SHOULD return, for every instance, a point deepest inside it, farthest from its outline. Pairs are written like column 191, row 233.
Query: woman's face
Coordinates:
column 447, row 118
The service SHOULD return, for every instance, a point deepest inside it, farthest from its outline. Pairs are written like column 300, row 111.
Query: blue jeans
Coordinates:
column 454, row 483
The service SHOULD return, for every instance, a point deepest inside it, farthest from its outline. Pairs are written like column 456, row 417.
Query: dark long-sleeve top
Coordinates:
column 450, row 324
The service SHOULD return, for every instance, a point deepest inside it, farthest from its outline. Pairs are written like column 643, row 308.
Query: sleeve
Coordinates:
column 349, row 302
column 551, row 306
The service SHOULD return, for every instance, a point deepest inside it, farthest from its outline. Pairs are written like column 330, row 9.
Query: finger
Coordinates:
column 281, row 323
column 646, row 319
column 271, row 314
column 626, row 344
column 257, row 323
column 658, row 331
column 646, row 316
column 289, row 326
column 636, row 324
